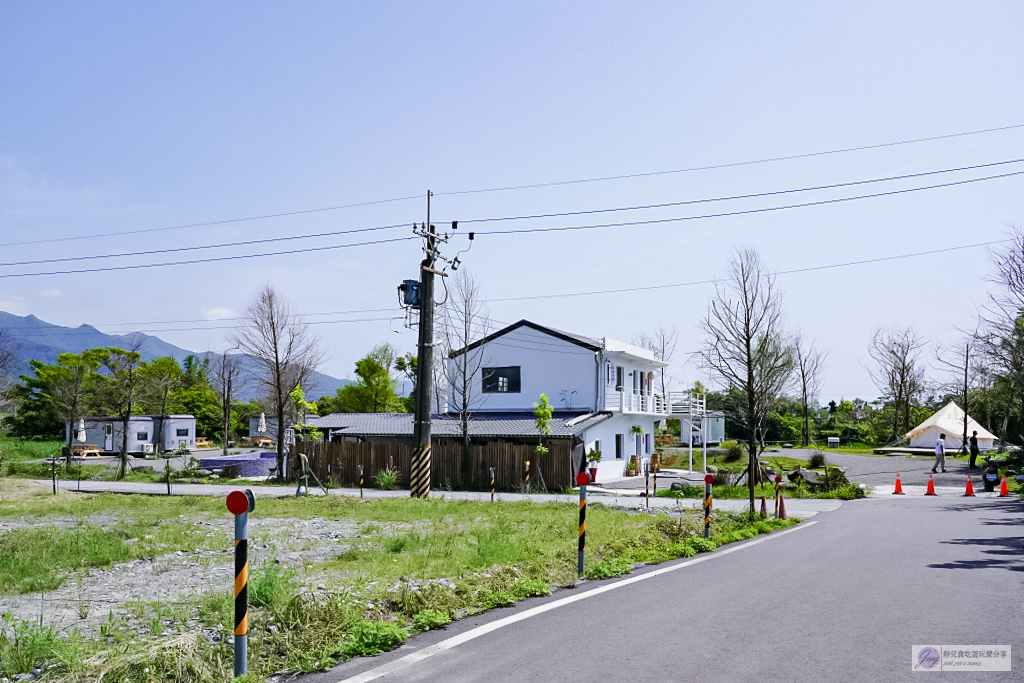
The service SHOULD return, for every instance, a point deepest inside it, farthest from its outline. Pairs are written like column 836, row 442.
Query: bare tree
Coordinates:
column 285, row 351
column 226, row 378
column 463, row 320
column 1001, row 335
column 810, row 361
column 662, row 343
column 746, row 345
column 961, row 359
column 8, row 355
column 898, row 372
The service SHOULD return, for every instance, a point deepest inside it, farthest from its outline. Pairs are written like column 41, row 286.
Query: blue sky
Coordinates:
column 119, row 117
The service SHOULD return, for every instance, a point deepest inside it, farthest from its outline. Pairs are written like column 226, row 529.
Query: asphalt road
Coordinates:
column 842, row 598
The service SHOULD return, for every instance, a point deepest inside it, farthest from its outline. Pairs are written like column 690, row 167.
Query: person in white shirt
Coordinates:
column 940, row 453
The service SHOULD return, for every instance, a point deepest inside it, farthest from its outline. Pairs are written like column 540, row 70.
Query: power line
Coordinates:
column 299, row 212
column 207, row 223
column 189, row 329
column 204, row 246
column 822, row 202
column 740, row 196
column 210, row 260
column 694, row 283
column 739, row 163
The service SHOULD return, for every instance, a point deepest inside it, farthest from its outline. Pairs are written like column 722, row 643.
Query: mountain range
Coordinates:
column 39, row 340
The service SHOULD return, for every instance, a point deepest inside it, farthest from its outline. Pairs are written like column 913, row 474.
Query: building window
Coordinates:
column 618, row 446
column 142, row 436
column 618, row 378
column 183, row 432
column 501, row 380
column 649, row 438
column 609, row 373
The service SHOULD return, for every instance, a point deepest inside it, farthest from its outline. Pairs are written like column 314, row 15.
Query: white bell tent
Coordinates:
column 949, row 420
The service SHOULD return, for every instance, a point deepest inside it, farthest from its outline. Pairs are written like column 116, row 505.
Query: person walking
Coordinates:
column 940, row 453
column 974, row 451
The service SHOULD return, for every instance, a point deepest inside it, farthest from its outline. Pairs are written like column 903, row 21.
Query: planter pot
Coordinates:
column 593, row 474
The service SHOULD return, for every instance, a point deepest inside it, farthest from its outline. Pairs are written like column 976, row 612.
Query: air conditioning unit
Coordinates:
column 147, row 448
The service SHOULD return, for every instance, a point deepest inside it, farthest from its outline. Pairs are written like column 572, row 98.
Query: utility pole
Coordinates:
column 419, row 477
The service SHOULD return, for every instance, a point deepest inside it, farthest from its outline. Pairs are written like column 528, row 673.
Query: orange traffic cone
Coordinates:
column 782, row 507
column 931, row 487
column 1003, row 490
column 970, row 487
column 764, row 508
column 899, row 486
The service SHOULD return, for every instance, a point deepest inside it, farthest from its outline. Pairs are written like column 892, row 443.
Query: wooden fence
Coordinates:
column 339, row 463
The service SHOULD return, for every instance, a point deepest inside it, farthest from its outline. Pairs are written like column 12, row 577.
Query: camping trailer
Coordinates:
column 145, row 432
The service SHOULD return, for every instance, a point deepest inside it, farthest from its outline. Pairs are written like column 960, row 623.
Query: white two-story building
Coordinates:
column 602, row 390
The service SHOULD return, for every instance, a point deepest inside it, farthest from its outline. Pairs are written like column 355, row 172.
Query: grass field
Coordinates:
column 414, row 565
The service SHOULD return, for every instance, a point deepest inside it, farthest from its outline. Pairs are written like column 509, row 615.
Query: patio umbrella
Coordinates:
column 81, row 431
column 263, row 423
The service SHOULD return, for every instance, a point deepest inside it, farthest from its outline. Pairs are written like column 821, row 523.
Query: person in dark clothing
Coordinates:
column 974, row 451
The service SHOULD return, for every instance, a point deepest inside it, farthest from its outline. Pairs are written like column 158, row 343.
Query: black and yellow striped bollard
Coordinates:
column 360, row 480
column 492, row 484
column 527, row 476
column 707, row 505
column 240, row 504
column 581, row 548
column 778, row 480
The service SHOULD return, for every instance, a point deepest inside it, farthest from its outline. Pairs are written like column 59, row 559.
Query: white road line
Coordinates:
column 455, row 641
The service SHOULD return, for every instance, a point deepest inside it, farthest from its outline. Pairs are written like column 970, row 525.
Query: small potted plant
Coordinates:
column 593, row 458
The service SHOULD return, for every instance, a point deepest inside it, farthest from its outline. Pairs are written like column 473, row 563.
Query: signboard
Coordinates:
column 289, row 437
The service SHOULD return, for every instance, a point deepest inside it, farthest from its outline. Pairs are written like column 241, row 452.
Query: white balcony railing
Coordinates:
column 637, row 402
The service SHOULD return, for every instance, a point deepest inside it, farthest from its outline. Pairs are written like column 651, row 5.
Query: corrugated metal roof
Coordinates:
column 518, row 424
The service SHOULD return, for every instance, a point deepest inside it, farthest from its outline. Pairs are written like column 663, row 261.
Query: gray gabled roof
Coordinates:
column 492, row 425
column 578, row 339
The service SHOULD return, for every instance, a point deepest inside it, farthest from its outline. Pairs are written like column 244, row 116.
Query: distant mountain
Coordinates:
column 40, row 340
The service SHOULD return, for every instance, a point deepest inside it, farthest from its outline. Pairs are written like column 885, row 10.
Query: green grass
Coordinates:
column 414, row 566
column 731, row 492
column 41, row 558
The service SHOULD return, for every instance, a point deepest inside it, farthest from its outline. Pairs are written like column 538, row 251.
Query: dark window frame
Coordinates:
column 178, row 431
column 509, row 376
column 142, row 436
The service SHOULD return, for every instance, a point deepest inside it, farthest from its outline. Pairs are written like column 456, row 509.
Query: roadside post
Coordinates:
column 778, row 480
column 492, row 484
column 657, row 466
column 647, row 484
column 360, row 481
column 240, row 504
column 581, row 550
column 707, row 505
column 800, row 486
column 527, row 476
column 167, row 471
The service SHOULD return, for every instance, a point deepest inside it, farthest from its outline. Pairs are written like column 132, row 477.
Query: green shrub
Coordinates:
column 528, row 588
column 733, row 452
column 496, row 598
column 429, row 619
column 272, row 586
column 374, row 637
column 608, row 569
column 701, row 545
column 387, row 478
column 845, row 492
column 817, row 460
column 683, row 549
column 24, row 645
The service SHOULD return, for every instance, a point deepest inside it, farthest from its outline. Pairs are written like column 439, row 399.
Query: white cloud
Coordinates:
column 217, row 313
column 13, row 304
column 50, row 293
